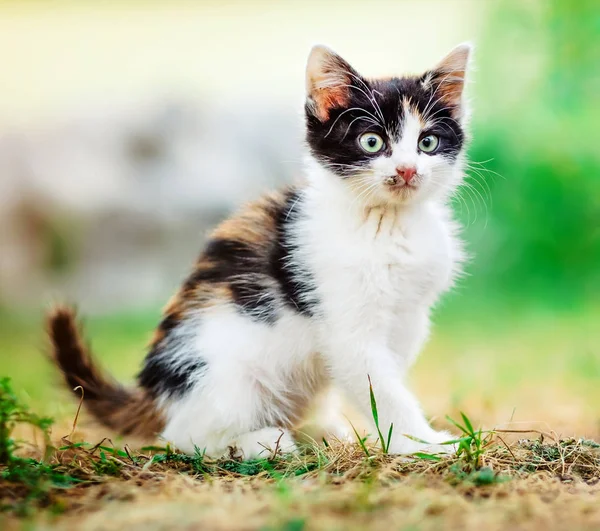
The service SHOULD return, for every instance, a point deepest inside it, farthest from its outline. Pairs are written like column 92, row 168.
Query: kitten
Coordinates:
column 312, row 289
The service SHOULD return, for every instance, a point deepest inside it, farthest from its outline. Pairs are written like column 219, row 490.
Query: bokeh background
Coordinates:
column 128, row 129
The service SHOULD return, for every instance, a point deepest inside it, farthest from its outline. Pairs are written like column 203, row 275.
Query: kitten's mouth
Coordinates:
column 398, row 185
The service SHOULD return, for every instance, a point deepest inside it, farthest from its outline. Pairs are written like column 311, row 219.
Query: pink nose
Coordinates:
column 406, row 172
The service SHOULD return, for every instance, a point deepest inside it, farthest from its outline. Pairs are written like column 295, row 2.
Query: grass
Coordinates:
column 23, row 478
column 473, row 443
column 77, row 483
column 52, row 482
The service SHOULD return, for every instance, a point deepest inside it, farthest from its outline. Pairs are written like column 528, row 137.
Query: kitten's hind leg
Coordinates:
column 251, row 384
column 265, row 442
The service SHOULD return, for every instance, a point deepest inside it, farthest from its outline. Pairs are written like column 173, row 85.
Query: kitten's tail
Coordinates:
column 127, row 411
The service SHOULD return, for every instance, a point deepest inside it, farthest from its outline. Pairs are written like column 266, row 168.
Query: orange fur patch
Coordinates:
column 255, row 224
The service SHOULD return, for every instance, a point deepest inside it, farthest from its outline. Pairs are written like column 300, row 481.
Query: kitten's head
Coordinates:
column 395, row 140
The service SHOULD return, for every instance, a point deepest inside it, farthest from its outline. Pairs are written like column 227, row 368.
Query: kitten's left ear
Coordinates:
column 329, row 80
column 448, row 78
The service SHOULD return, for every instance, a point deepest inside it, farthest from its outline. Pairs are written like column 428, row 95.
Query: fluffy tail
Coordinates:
column 127, row 411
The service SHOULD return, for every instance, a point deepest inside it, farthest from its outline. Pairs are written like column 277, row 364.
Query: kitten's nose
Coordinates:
column 406, row 173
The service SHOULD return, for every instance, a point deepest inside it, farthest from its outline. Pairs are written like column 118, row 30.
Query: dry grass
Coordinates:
column 534, row 483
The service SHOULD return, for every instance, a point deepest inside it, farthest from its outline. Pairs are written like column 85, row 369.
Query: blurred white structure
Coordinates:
column 110, row 209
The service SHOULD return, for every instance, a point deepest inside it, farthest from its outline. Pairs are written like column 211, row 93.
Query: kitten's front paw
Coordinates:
column 340, row 431
column 432, row 444
column 262, row 443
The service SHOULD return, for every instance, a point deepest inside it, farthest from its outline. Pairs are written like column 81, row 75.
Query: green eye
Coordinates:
column 371, row 142
column 429, row 143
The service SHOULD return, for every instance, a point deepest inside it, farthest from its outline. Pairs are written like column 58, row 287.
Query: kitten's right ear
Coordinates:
column 329, row 80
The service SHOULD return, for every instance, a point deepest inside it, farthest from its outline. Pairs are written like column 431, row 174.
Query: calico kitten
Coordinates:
column 312, row 289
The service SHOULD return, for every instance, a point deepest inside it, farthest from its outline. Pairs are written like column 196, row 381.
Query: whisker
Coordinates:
column 370, row 187
column 371, row 98
column 348, row 110
column 359, row 118
column 476, row 176
column 483, row 168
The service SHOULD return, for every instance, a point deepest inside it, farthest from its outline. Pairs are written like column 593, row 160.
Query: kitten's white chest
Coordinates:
column 383, row 267
column 400, row 260
column 419, row 264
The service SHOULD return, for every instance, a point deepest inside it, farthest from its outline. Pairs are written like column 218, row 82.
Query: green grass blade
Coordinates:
column 455, row 441
column 467, row 422
column 427, row 457
column 374, row 411
column 456, row 424
column 389, row 438
column 384, row 445
column 416, row 439
column 361, row 441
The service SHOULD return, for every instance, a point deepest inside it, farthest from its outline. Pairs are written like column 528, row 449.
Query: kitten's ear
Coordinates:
column 328, row 81
column 448, row 78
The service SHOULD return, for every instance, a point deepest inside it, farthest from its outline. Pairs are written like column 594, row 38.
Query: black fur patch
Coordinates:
column 261, row 276
column 168, row 322
column 295, row 281
column 245, row 269
column 377, row 106
column 165, row 374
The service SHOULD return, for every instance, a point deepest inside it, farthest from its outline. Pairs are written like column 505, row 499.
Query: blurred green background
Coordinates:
column 541, row 243
column 518, row 339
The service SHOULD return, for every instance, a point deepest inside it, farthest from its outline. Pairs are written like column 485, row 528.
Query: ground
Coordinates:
column 534, row 379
